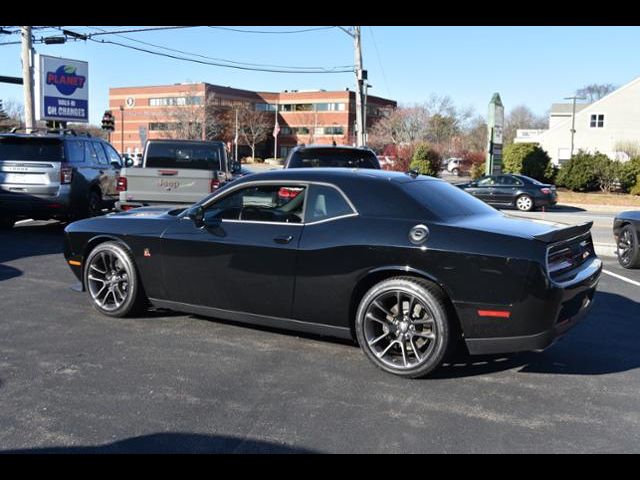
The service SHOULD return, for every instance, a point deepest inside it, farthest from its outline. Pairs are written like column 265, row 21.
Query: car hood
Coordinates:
column 145, row 212
column 503, row 224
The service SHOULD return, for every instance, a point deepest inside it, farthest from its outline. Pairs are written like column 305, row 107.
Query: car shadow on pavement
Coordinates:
column 605, row 342
column 173, row 443
column 28, row 240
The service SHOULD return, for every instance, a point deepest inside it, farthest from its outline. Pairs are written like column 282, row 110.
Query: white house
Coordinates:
column 607, row 126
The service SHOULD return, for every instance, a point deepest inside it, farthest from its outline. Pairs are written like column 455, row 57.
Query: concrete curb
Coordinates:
column 599, row 208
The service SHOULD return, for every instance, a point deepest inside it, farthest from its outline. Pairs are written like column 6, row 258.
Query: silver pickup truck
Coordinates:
column 174, row 172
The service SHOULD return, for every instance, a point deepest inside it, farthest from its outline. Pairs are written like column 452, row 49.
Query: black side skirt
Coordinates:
column 254, row 319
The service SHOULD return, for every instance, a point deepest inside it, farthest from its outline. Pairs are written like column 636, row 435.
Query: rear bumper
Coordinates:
column 43, row 206
column 567, row 305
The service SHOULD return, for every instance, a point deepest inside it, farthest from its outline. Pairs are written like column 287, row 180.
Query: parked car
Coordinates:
column 458, row 166
column 511, row 190
column 340, row 156
column 405, row 264
column 176, row 172
column 55, row 176
column 626, row 231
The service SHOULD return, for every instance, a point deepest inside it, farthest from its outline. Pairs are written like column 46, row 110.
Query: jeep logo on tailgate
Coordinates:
column 168, row 184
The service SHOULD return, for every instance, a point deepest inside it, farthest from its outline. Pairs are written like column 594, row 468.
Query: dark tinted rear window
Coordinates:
column 445, row 200
column 31, row 148
column 170, row 155
column 333, row 157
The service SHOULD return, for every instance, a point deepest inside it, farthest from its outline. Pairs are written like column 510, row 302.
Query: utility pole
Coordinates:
column 27, row 79
column 361, row 76
column 235, row 141
column 573, row 118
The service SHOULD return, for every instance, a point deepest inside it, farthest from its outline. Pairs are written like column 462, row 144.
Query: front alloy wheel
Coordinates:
column 112, row 281
column 628, row 250
column 402, row 326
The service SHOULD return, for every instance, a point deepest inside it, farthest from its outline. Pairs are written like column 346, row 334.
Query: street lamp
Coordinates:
column 573, row 118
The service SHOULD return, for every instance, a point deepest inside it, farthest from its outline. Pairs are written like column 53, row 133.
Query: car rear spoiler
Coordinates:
column 553, row 236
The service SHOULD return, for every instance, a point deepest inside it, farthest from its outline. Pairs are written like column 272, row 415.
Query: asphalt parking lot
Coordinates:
column 72, row 380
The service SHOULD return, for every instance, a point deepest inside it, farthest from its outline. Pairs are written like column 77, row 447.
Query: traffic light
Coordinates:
column 108, row 121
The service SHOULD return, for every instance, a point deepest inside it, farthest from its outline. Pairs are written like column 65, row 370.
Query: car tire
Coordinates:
column 524, row 203
column 7, row 223
column 390, row 338
column 113, row 283
column 628, row 247
column 456, row 172
column 94, row 204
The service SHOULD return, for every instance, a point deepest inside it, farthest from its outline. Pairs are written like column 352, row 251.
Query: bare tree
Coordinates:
column 12, row 115
column 520, row 117
column 195, row 117
column 254, row 126
column 595, row 91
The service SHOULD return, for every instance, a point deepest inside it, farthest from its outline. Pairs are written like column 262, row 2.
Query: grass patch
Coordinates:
column 598, row 198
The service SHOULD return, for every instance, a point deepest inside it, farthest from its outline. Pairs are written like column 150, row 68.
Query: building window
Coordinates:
column 330, row 107
column 174, row 101
column 597, row 121
column 285, row 131
column 265, row 107
column 162, row 126
column 301, row 130
column 334, row 130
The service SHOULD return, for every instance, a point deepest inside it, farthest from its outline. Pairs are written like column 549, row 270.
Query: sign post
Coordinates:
column 495, row 123
column 62, row 89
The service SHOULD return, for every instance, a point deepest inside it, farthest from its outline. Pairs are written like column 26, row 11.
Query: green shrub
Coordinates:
column 426, row 160
column 579, row 173
column 527, row 159
column 635, row 190
column 551, row 173
column 477, row 170
column 629, row 172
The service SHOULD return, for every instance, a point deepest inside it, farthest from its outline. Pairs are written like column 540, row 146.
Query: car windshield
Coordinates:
column 445, row 200
column 334, row 157
column 31, row 149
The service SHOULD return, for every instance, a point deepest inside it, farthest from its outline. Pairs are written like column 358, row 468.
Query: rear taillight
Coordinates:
column 215, row 184
column 66, row 175
column 546, row 191
column 121, row 184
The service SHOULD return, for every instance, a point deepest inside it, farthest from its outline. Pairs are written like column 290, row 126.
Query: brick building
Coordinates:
column 304, row 116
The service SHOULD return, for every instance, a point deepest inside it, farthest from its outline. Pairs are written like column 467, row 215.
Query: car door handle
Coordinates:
column 283, row 239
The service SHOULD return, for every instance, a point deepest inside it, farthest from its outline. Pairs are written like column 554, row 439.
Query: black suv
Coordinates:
column 60, row 175
column 341, row 156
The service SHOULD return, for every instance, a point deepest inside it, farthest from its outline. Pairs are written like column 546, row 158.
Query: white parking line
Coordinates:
column 620, row 277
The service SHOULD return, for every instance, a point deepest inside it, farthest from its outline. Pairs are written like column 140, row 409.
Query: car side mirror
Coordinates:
column 196, row 214
column 236, row 167
column 116, row 164
column 128, row 162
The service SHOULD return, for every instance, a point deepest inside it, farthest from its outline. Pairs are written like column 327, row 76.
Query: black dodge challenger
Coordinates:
column 626, row 231
column 407, row 265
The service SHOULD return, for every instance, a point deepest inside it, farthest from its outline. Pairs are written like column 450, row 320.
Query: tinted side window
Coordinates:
column 325, row 202
column 487, row 182
column 75, row 151
column 102, row 157
column 90, row 154
column 111, row 153
column 31, row 148
column 508, row 181
column 264, row 203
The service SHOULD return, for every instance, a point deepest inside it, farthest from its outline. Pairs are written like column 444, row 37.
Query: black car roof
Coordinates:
column 338, row 175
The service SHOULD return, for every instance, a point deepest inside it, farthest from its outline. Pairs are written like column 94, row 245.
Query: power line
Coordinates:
column 384, row 76
column 218, row 59
column 217, row 64
column 273, row 32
